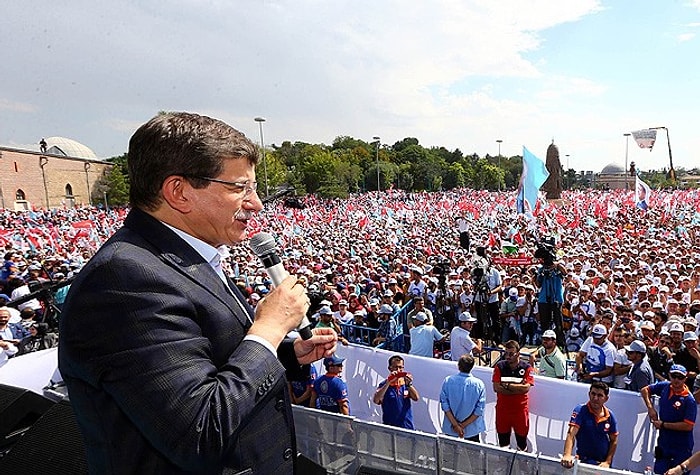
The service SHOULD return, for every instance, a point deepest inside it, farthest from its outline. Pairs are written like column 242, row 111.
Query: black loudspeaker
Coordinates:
column 19, row 410
column 53, row 445
column 308, row 467
column 373, row 471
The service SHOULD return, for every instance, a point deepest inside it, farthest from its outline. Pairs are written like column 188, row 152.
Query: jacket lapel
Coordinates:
column 182, row 257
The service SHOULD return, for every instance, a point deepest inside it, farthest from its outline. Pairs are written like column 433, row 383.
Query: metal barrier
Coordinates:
column 362, row 335
column 345, row 445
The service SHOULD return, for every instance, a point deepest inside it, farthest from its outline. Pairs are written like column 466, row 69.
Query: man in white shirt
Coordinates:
column 460, row 341
column 424, row 336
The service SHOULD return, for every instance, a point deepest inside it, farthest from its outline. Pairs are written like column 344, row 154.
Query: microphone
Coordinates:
column 263, row 246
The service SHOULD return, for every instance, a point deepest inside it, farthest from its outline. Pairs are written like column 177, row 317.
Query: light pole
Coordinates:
column 627, row 151
column 499, row 142
column 671, row 172
column 260, row 121
column 378, row 141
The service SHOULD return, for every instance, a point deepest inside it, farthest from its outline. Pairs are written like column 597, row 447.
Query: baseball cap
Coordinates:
column 599, row 330
column 466, row 317
column 637, row 346
column 388, row 293
column 676, row 327
column 679, row 369
column 325, row 311
column 386, row 309
column 690, row 321
column 421, row 317
column 573, row 333
column 690, row 336
column 333, row 360
column 513, row 292
column 549, row 334
column 648, row 325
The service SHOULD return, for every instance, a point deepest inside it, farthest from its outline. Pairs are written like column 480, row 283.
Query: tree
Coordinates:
column 487, row 176
column 399, row 146
column 116, row 181
column 455, row 176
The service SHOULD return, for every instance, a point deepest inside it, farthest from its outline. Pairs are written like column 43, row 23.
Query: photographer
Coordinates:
column 550, row 276
column 487, row 285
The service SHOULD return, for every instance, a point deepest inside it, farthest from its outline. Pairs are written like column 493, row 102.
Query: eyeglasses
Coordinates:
column 247, row 186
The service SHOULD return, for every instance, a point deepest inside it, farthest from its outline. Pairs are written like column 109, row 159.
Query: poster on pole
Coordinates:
column 645, row 138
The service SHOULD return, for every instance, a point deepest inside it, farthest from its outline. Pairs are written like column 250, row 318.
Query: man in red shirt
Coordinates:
column 512, row 379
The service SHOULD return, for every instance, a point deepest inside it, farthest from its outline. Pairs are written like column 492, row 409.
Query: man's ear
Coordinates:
column 176, row 192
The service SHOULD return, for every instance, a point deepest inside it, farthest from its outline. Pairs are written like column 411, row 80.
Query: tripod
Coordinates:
column 481, row 304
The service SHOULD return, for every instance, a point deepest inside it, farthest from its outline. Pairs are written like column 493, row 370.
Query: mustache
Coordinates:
column 243, row 214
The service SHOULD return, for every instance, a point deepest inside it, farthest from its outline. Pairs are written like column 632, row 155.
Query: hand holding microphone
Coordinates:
column 263, row 246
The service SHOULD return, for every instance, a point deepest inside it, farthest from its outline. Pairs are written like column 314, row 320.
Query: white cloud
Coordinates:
column 14, row 106
column 682, row 38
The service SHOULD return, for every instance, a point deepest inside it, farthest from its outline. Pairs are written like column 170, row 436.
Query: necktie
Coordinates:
column 215, row 263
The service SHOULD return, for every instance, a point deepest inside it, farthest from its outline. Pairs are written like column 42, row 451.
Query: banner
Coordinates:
column 533, row 177
column 513, row 261
column 642, row 193
column 645, row 138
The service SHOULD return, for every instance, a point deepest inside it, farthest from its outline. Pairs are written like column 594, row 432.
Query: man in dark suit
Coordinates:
column 167, row 368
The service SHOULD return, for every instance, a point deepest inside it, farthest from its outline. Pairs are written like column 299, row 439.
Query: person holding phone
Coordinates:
column 395, row 394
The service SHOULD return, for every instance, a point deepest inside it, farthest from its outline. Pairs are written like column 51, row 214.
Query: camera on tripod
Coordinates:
column 441, row 269
column 546, row 250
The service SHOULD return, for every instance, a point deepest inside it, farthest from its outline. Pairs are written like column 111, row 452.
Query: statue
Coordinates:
column 554, row 184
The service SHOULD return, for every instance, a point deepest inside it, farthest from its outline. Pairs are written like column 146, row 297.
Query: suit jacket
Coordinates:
column 161, row 380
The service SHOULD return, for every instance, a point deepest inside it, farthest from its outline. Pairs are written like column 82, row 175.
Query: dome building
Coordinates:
column 614, row 177
column 64, row 174
column 68, row 148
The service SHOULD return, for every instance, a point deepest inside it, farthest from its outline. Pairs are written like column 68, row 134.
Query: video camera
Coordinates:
column 480, row 270
column 546, row 250
column 441, row 269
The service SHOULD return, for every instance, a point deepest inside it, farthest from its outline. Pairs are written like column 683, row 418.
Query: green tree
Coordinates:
column 116, row 181
column 399, row 146
column 117, row 187
column 455, row 176
column 487, row 176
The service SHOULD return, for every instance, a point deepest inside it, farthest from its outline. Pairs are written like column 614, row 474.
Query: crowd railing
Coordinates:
column 346, row 445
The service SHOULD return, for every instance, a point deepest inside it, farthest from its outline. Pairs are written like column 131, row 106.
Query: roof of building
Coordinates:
column 612, row 169
column 68, row 148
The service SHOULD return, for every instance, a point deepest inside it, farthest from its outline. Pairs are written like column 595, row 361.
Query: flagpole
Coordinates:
column 671, row 172
column 627, row 151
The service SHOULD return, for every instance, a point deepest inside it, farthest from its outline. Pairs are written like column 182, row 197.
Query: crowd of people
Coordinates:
column 621, row 293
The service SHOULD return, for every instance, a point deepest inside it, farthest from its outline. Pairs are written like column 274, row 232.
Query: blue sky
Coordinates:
column 459, row 73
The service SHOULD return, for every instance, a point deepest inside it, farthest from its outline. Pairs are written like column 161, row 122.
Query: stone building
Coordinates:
column 614, row 177
column 68, row 174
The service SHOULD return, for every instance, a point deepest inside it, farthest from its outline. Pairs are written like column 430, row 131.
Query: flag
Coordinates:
column 645, row 138
column 534, row 175
column 642, row 193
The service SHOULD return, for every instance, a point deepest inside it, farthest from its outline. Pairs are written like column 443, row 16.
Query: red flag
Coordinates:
column 518, row 238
